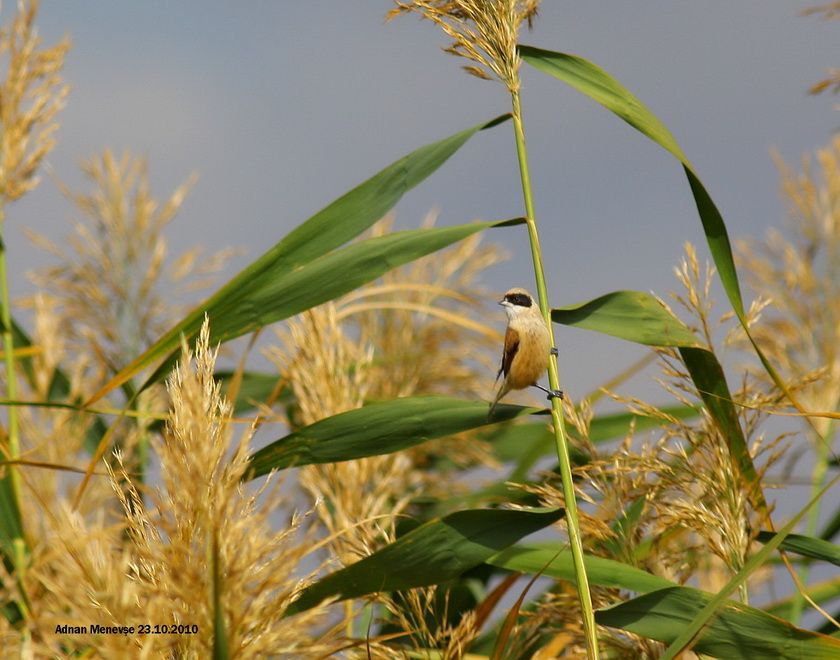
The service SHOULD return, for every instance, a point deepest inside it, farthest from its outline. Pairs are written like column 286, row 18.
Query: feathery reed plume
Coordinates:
column 483, row 31
column 109, row 279
column 424, row 615
column 798, row 274
column 111, row 287
column 831, row 82
column 31, row 94
column 204, row 552
column 829, row 11
column 327, row 371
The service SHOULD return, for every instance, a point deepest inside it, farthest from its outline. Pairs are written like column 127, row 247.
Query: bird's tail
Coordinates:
column 504, row 389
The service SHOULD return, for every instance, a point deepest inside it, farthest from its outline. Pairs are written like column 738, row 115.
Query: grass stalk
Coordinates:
column 220, row 635
column 9, row 357
column 13, row 438
column 561, row 442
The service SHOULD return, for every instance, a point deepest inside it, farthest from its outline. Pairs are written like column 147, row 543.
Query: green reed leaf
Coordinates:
column 832, row 526
column 737, row 631
column 710, row 381
column 240, row 301
column 555, row 560
column 525, row 444
column 807, row 546
column 591, row 80
column 433, row 553
column 632, row 315
column 11, row 525
column 379, row 428
column 272, row 297
column 718, row 240
column 600, row 86
column 358, row 209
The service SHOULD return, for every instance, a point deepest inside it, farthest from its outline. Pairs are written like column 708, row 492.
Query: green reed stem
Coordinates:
column 562, row 445
column 18, row 557
column 9, row 354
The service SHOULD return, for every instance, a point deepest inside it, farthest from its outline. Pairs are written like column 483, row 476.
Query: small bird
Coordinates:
column 527, row 346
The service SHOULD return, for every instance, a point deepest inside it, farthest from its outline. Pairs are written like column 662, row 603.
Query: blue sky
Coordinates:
column 282, row 106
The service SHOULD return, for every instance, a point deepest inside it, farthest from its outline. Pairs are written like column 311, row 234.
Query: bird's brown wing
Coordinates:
column 511, row 347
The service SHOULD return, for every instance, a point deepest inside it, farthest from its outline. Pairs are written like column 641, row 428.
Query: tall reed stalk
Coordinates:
column 13, row 437
column 486, row 33
column 12, row 440
column 561, row 443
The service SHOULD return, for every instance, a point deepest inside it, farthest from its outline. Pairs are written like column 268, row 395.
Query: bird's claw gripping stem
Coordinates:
column 552, row 394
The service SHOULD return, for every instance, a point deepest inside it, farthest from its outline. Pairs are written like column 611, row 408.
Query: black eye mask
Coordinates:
column 519, row 299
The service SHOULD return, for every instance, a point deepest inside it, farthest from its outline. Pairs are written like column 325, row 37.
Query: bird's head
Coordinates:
column 517, row 301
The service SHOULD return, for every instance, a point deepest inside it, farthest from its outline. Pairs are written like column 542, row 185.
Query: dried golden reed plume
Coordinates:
column 112, row 279
column 204, row 544
column 831, row 81
column 795, row 273
column 484, row 32
column 31, row 94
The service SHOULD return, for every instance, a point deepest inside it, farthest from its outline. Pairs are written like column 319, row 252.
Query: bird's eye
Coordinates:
column 519, row 299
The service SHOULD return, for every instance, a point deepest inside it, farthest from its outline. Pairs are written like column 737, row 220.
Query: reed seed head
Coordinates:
column 31, row 94
column 482, row 31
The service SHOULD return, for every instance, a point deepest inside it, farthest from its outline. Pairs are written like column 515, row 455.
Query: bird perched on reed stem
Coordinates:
column 527, row 346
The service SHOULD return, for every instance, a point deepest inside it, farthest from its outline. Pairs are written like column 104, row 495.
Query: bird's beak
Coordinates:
column 502, row 301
